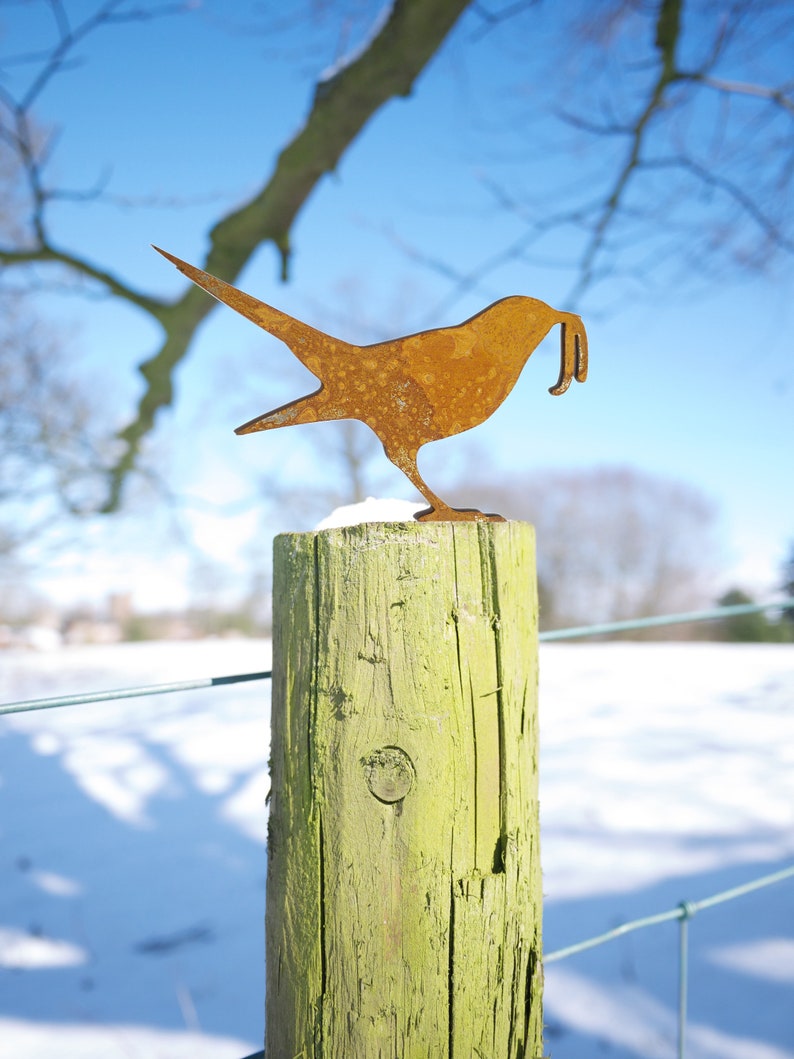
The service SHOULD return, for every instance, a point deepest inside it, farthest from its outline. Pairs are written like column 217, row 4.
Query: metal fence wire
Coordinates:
column 579, row 632
column 683, row 912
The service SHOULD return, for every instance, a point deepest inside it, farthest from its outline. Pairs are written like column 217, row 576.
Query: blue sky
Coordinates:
column 185, row 116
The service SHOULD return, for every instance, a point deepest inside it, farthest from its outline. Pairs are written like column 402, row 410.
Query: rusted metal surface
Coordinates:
column 416, row 389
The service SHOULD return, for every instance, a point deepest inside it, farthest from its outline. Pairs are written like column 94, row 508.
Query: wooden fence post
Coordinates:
column 404, row 890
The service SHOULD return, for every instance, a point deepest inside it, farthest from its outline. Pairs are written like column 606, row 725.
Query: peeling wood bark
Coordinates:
column 404, row 890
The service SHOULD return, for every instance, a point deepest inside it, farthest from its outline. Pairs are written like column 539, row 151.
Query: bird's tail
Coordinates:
column 573, row 353
column 276, row 322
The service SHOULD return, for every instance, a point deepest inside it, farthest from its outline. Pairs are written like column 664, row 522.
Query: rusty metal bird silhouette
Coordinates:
column 416, row 389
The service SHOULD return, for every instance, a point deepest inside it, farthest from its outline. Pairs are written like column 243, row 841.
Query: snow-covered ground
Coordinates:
column 133, row 851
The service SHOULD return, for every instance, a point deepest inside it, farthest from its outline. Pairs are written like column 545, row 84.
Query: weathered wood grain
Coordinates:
column 404, row 896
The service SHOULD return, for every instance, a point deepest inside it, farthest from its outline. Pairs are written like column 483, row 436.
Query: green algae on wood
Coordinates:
column 404, row 893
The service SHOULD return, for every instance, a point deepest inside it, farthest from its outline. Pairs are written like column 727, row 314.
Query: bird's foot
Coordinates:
column 442, row 513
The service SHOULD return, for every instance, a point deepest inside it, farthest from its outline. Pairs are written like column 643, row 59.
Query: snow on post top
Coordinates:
column 371, row 510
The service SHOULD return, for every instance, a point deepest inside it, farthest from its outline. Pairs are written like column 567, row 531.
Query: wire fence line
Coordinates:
column 714, row 614
column 129, row 693
column 683, row 912
column 577, row 632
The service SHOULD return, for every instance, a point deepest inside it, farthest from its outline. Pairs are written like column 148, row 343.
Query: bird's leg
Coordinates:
column 310, row 409
column 438, row 510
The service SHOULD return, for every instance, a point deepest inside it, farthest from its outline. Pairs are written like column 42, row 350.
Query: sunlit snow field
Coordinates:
column 132, row 877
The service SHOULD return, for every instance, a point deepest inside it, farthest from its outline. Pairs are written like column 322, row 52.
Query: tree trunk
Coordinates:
column 404, row 891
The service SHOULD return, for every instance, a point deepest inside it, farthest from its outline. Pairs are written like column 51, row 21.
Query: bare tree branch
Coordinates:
column 668, row 31
column 32, row 149
column 667, row 41
column 46, row 254
column 490, row 19
column 604, row 222
column 649, row 141
column 342, row 106
column 108, row 13
column 781, row 97
column 732, row 190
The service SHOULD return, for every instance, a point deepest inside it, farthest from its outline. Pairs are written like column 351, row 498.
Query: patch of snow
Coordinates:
column 613, row 1015
column 706, row 1042
column 668, row 759
column 56, row 885
column 768, row 958
column 46, row 743
column 119, row 1041
column 667, row 773
column 22, row 951
column 247, row 808
column 118, row 773
column 371, row 510
column 630, row 1018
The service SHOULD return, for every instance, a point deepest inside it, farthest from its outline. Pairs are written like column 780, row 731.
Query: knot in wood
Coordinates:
column 389, row 773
